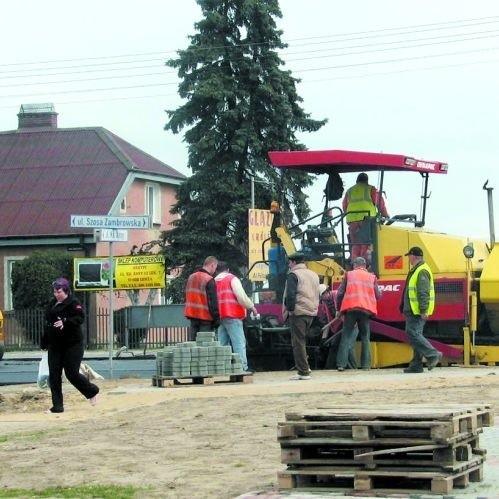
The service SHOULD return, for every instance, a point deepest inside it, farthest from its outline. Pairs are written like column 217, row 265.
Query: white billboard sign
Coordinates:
column 113, row 235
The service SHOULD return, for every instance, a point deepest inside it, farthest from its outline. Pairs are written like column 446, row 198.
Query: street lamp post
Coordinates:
column 252, row 191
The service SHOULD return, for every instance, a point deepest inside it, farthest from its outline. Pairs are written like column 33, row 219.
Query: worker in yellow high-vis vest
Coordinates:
column 417, row 304
column 361, row 200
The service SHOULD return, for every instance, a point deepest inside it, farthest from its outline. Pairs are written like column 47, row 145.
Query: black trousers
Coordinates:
column 198, row 325
column 68, row 358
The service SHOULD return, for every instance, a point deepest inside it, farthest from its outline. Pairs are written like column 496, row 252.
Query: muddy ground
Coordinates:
column 207, row 441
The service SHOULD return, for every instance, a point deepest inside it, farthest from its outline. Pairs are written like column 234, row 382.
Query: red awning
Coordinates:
column 351, row 161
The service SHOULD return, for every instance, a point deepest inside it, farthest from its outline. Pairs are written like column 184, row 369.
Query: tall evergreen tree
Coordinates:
column 239, row 104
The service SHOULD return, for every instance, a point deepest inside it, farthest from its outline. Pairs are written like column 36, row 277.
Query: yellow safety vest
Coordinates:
column 412, row 291
column 359, row 200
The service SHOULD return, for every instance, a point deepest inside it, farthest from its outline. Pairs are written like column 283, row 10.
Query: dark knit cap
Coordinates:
column 62, row 283
column 297, row 257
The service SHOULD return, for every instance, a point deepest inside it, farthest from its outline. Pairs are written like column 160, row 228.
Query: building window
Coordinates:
column 123, row 205
column 8, row 263
column 153, row 203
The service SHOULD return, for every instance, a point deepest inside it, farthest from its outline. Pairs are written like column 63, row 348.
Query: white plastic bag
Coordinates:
column 43, row 371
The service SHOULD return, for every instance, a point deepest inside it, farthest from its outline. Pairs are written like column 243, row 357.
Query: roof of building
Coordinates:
column 49, row 173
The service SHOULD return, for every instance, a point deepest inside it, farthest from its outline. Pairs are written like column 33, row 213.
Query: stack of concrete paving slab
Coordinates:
column 203, row 357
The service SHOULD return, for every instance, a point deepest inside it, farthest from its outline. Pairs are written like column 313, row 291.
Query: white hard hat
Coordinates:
column 322, row 288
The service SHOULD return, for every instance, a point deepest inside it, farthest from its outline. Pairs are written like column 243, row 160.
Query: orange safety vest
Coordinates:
column 228, row 305
column 196, row 300
column 359, row 293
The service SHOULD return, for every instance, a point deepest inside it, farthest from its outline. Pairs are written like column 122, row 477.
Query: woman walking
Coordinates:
column 63, row 338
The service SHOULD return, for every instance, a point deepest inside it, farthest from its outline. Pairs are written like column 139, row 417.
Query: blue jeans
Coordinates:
column 231, row 332
column 414, row 326
column 349, row 336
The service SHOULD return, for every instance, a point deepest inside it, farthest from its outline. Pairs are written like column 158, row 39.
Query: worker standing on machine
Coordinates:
column 360, row 201
column 417, row 304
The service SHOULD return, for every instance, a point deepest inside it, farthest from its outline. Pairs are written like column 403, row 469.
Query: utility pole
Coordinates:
column 491, row 214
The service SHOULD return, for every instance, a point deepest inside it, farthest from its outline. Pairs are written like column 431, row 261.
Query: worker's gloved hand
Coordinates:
column 255, row 315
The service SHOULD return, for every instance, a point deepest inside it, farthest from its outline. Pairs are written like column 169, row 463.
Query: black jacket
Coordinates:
column 71, row 313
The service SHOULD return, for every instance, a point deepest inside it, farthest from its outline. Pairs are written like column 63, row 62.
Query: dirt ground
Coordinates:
column 197, row 441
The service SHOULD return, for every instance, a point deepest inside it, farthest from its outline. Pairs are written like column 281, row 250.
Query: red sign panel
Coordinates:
column 394, row 262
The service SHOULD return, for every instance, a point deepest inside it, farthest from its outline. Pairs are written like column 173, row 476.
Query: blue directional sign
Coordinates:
column 111, row 222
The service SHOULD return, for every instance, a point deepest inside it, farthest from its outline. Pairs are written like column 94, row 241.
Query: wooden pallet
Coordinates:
column 419, row 432
column 171, row 381
column 422, row 424
column 391, row 480
column 441, row 421
column 444, row 457
column 386, row 447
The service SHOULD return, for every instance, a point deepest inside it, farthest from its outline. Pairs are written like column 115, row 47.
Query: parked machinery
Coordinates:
column 465, row 324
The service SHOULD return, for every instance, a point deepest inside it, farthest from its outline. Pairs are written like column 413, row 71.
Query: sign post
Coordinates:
column 111, row 309
column 114, row 228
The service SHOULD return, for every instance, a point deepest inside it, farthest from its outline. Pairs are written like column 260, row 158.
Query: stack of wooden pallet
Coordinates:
column 400, row 448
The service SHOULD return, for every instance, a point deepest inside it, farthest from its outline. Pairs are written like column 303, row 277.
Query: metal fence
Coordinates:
column 24, row 328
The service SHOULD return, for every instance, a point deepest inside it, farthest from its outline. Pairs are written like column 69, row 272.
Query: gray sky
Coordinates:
column 414, row 78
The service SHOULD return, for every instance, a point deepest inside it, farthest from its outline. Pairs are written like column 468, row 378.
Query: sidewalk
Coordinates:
column 22, row 367
column 89, row 354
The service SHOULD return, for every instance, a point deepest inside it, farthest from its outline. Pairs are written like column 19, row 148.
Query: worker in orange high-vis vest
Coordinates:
column 201, row 302
column 356, row 301
column 233, row 302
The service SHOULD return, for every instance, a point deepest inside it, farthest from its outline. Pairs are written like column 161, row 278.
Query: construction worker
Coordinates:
column 360, row 201
column 232, row 302
column 417, row 304
column 327, row 307
column 201, row 303
column 301, row 302
column 357, row 302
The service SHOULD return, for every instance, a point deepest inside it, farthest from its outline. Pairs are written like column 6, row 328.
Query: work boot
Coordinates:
column 433, row 361
column 413, row 369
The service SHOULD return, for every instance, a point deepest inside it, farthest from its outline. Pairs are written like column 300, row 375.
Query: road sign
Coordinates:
column 111, row 222
column 140, row 272
column 129, row 272
column 112, row 235
column 98, row 274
